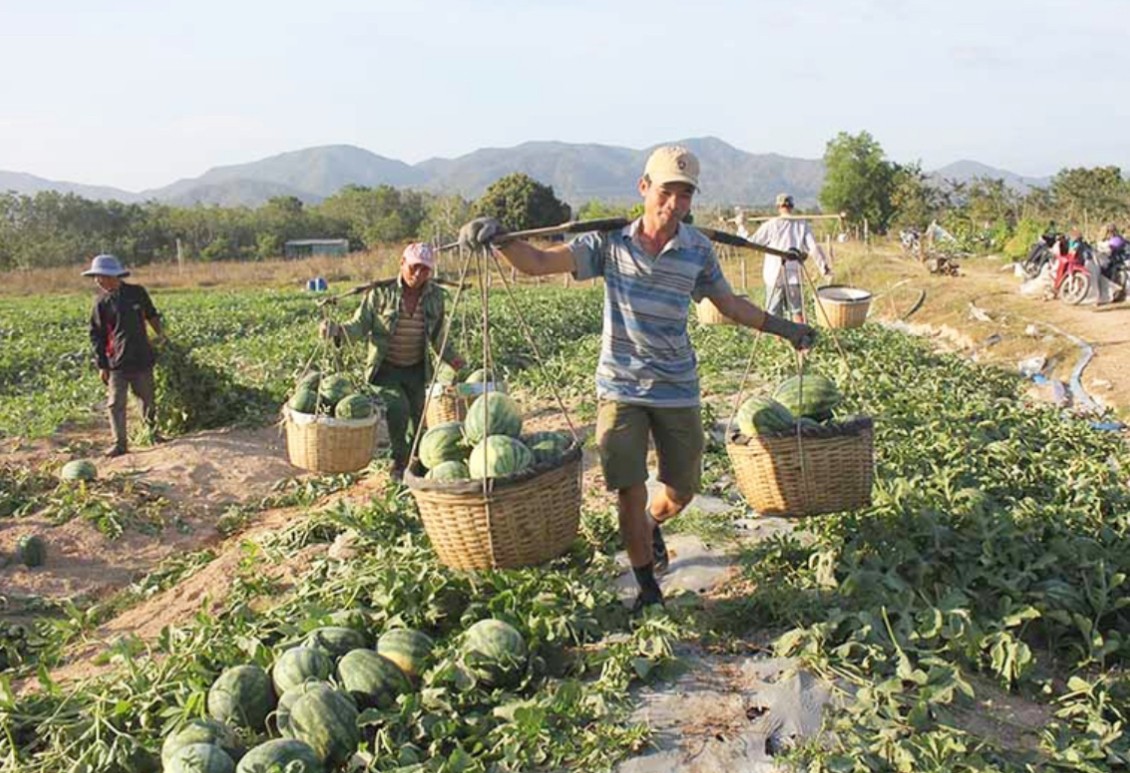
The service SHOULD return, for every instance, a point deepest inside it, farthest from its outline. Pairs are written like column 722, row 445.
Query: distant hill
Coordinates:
column 577, row 173
column 964, row 171
column 30, row 184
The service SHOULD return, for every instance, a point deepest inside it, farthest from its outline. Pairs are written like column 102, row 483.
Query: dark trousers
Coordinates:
column 403, row 390
column 142, row 384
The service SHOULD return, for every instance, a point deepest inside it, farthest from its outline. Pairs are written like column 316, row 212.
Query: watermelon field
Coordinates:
column 973, row 618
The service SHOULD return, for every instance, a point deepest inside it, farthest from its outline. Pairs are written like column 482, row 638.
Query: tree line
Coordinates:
column 59, row 229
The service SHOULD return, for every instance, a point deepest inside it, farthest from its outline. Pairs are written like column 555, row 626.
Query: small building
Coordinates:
column 307, row 248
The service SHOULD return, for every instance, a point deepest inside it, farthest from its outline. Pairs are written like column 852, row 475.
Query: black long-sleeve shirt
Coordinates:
column 117, row 329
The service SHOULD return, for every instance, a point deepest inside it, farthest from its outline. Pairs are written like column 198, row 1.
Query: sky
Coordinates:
column 136, row 95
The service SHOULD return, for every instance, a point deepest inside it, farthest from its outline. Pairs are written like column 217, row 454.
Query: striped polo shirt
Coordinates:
column 645, row 354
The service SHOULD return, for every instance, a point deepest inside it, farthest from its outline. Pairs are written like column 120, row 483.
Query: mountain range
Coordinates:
column 577, row 173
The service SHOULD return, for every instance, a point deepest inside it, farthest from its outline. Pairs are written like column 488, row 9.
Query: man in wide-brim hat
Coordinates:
column 123, row 353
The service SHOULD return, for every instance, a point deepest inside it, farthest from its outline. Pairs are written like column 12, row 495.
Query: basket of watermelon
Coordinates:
column 791, row 457
column 331, row 426
column 491, row 497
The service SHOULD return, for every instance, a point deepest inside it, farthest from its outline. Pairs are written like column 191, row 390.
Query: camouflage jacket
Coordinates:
column 375, row 319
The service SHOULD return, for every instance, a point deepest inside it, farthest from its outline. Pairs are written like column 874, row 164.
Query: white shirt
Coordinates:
column 786, row 233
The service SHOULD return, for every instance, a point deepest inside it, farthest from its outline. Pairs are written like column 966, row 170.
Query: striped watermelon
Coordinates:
column 304, row 401
column 763, row 416
column 443, row 443
column 447, row 471
column 242, row 697
column 547, row 446
column 206, row 731
column 327, row 721
column 499, row 455
column 334, row 387
column 495, row 652
column 79, row 469
column 407, row 648
column 298, row 665
column 199, row 758
column 281, row 754
column 371, row 679
column 813, row 396
column 354, row 406
column 290, row 697
column 504, row 417
column 335, row 640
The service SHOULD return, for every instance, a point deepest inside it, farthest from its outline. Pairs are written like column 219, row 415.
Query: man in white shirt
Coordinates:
column 783, row 277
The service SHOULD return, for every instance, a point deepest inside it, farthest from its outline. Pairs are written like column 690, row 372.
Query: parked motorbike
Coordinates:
column 1041, row 254
column 1072, row 279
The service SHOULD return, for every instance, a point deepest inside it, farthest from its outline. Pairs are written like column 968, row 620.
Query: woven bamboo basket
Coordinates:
column 523, row 520
column 708, row 313
column 838, row 306
column 828, row 469
column 445, row 404
column 324, row 444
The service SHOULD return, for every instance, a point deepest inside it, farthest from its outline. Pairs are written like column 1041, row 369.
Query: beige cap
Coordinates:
column 784, row 200
column 672, row 164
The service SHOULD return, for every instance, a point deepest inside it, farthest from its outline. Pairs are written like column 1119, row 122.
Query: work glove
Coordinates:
column 801, row 336
column 329, row 330
column 797, row 255
column 480, row 232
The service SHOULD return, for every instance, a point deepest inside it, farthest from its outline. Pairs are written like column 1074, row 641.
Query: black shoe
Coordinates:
column 114, row 451
column 646, row 599
column 658, row 549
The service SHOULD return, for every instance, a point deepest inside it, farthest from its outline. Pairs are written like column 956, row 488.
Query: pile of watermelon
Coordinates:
column 304, row 710
column 795, row 402
column 487, row 444
column 331, row 394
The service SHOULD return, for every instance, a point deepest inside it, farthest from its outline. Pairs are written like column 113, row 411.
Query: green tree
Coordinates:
column 1091, row 194
column 858, row 180
column 914, row 199
column 520, row 202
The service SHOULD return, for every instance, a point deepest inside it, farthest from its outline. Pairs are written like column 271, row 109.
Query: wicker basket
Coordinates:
column 708, row 313
column 838, row 306
column 445, row 405
column 836, row 474
column 524, row 520
column 324, row 444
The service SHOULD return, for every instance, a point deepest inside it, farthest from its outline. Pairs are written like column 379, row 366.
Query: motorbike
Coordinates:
column 1072, row 279
column 1041, row 254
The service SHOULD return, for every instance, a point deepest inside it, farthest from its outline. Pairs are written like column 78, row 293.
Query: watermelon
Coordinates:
column 199, row 758
column 546, row 446
column 445, row 374
column 354, row 406
column 499, row 455
column 32, row 550
column 371, row 678
column 763, row 416
column 495, row 652
column 334, row 387
column 505, row 418
column 281, row 754
column 481, row 376
column 298, row 665
column 448, row 471
column 197, row 731
column 335, row 640
column 242, row 697
column 327, row 720
column 79, row 469
column 443, row 443
column 303, row 401
column 310, row 381
column 288, row 699
column 806, row 423
column 820, row 396
column 407, row 648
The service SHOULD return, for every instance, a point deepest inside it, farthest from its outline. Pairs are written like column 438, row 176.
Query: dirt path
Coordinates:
column 983, row 314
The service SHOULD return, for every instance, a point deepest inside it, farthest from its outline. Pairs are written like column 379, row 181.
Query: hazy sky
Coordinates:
column 138, row 94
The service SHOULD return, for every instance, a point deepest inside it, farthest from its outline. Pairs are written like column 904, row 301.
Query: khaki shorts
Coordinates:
column 622, row 431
